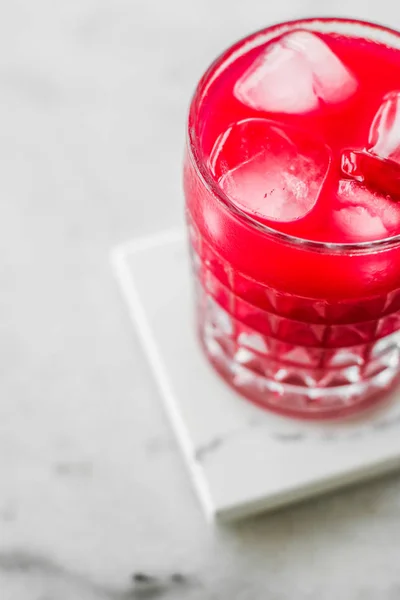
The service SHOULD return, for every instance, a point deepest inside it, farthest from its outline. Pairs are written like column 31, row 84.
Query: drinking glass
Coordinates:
column 306, row 328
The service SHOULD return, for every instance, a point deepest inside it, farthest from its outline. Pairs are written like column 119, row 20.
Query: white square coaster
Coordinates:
column 242, row 459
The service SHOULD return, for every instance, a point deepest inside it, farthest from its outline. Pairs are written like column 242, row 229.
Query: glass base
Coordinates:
column 278, row 383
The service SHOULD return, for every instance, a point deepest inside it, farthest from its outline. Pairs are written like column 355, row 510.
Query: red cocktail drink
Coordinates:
column 292, row 184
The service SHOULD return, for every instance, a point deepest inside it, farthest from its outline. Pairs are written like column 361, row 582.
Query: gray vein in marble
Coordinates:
column 20, row 562
column 333, row 433
column 143, row 585
column 293, row 432
column 218, row 441
column 209, row 448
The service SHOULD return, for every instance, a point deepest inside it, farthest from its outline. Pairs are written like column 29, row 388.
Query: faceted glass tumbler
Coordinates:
column 305, row 328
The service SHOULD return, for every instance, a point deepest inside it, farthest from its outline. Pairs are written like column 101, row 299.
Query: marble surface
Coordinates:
column 93, row 95
column 242, row 460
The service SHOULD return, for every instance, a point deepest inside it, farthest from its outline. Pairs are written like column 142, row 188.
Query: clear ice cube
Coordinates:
column 378, row 165
column 363, row 214
column 294, row 75
column 270, row 172
column 384, row 135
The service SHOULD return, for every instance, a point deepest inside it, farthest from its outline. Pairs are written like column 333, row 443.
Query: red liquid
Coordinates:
column 302, row 328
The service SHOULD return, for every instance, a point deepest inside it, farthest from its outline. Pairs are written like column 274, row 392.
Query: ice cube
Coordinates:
column 364, row 215
column 280, row 80
column 358, row 224
column 294, row 75
column 377, row 173
column 384, row 135
column 378, row 165
column 270, row 172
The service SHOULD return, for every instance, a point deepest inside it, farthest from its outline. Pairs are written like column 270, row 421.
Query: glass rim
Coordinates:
column 383, row 34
